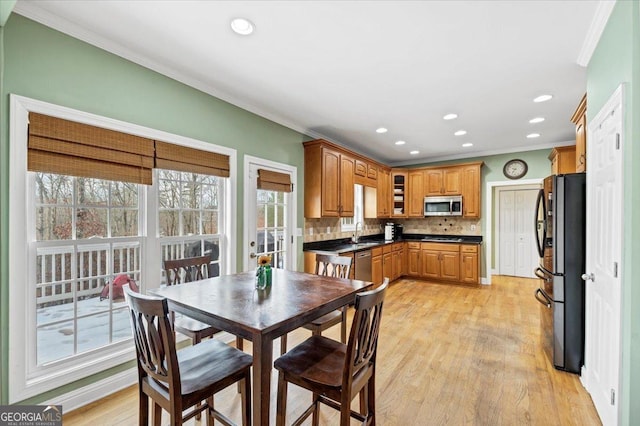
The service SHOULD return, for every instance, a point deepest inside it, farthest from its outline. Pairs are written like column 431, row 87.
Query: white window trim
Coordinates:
column 358, row 215
column 250, row 191
column 21, row 309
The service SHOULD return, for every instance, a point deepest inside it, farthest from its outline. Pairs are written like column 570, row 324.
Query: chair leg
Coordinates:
column 283, row 344
column 144, row 409
column 345, row 410
column 281, row 410
column 239, row 343
column 343, row 326
column 246, row 399
column 209, row 412
column 371, row 399
column 157, row 414
column 316, row 410
column 364, row 400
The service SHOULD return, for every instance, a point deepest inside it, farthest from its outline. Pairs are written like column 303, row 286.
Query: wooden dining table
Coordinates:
column 233, row 304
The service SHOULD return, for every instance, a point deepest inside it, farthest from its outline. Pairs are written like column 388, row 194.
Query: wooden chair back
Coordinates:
column 187, row 269
column 154, row 340
column 333, row 266
column 363, row 338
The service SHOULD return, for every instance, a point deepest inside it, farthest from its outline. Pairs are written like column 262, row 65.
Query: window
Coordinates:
column 71, row 237
column 189, row 215
column 86, row 233
column 348, row 224
column 271, row 226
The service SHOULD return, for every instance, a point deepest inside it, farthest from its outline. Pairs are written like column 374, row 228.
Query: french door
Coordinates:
column 269, row 217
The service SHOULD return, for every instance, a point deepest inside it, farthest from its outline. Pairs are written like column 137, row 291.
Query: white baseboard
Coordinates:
column 485, row 281
column 95, row 391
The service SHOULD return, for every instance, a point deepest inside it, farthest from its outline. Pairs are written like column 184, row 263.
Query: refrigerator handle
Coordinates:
column 538, row 272
column 538, row 223
column 546, row 302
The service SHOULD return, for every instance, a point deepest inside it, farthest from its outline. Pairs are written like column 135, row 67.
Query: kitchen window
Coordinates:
column 348, row 224
column 71, row 236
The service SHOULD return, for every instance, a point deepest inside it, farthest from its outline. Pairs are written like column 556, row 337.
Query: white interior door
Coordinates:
column 269, row 218
column 517, row 253
column 604, row 254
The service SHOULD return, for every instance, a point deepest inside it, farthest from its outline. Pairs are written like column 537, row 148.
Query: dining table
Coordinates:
column 232, row 303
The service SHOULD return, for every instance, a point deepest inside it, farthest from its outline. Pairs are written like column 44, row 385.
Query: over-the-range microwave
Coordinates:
column 443, row 206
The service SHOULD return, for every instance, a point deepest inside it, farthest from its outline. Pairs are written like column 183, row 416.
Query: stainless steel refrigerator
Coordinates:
column 560, row 237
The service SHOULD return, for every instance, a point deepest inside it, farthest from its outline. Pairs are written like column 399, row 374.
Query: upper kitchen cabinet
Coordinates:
column 384, row 192
column 579, row 118
column 328, row 180
column 416, row 193
column 443, row 181
column 563, row 160
column 471, row 190
column 399, row 193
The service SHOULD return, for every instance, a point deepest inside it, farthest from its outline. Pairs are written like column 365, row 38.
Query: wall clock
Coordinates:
column 515, row 169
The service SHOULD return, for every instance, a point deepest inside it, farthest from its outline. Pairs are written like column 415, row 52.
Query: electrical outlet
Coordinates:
column 328, row 229
column 473, row 227
column 310, row 231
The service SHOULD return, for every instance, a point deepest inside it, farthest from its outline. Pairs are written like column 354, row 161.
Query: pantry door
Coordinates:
column 517, row 253
column 269, row 213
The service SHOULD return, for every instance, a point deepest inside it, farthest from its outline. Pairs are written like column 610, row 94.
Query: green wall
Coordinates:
column 47, row 65
column 616, row 60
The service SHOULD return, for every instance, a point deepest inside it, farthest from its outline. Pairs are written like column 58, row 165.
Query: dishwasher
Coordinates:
column 362, row 260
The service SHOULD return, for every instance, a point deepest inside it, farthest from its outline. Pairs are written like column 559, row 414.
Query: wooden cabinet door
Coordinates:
column 376, row 269
column 387, row 266
column 347, row 168
column 416, row 194
column 471, row 191
column 384, row 189
column 330, row 183
column 397, row 264
column 581, row 145
column 430, row 264
column 433, row 182
column 451, row 181
column 469, row 268
column 413, row 262
column 403, row 261
column 450, row 265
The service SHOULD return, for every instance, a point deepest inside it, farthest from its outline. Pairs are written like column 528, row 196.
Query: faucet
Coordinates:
column 356, row 237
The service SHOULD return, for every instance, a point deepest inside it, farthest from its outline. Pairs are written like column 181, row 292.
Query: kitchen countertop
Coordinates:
column 345, row 245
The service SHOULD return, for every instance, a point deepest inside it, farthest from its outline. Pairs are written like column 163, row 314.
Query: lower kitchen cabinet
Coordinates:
column 469, row 271
column 376, row 265
column 440, row 261
column 413, row 259
column 387, row 262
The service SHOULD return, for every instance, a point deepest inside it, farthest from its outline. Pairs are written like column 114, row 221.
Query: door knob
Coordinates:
column 588, row 277
column 252, row 255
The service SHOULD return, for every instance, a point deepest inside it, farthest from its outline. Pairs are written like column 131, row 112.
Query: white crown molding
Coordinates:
column 476, row 154
column 600, row 18
column 32, row 11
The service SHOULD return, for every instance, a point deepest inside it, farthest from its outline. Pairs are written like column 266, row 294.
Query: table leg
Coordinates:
column 262, row 365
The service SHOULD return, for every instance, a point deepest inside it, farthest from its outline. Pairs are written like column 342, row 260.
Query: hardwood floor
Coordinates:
column 447, row 355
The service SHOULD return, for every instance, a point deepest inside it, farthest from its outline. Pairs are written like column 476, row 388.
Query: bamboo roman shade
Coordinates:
column 185, row 159
column 274, row 181
column 67, row 147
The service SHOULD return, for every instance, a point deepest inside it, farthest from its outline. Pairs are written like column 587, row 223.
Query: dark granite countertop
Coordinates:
column 344, row 245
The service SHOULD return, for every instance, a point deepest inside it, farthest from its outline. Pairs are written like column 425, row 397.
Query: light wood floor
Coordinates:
column 447, row 355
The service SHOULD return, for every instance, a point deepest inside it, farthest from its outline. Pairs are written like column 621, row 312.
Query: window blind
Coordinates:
column 274, row 181
column 185, row 159
column 66, row 147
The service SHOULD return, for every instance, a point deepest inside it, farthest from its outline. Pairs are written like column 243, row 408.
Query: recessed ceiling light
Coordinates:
column 450, row 116
column 542, row 98
column 400, row 142
column 414, row 152
column 467, row 145
column 242, row 26
column 460, row 132
column 381, row 130
column 533, row 135
column 536, row 120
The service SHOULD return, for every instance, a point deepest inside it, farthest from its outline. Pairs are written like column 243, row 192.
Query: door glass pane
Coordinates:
column 271, row 223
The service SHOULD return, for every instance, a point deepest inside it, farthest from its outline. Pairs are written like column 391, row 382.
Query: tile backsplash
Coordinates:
column 329, row 228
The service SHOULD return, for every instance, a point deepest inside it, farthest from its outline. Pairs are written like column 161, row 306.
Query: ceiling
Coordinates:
column 340, row 70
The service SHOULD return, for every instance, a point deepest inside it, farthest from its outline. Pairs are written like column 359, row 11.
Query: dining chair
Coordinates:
column 178, row 381
column 330, row 266
column 336, row 372
column 186, row 270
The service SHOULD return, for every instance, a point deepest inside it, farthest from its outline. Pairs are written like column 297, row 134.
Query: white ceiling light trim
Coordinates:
column 381, row 130
column 450, row 116
column 542, row 98
column 467, row 145
column 533, row 135
column 536, row 120
column 460, row 133
column 414, row 152
column 242, row 26
column 400, row 142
